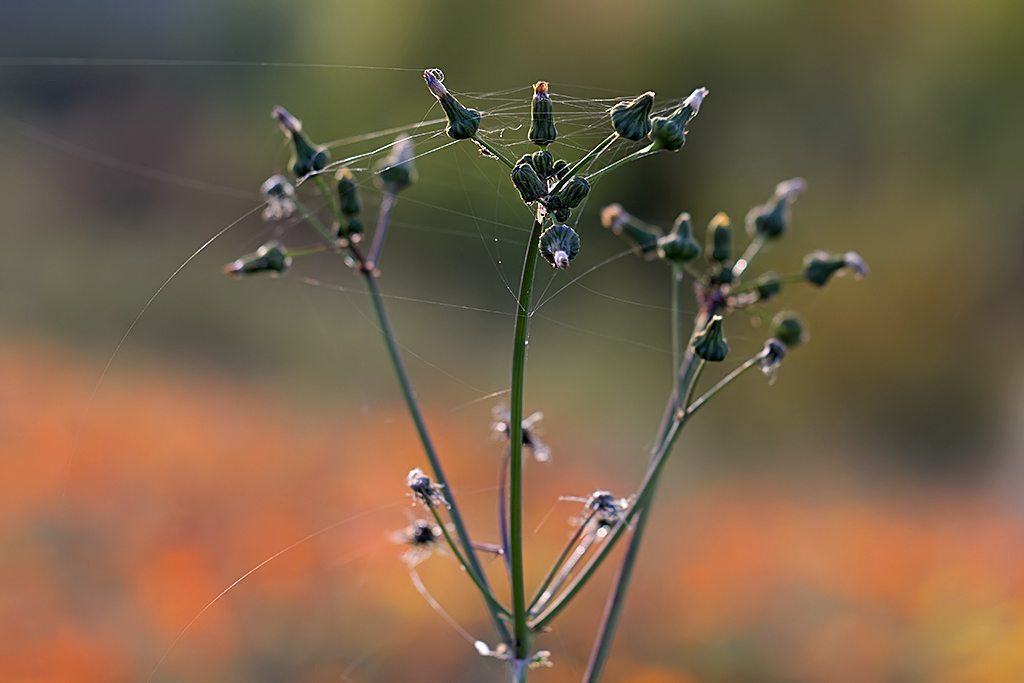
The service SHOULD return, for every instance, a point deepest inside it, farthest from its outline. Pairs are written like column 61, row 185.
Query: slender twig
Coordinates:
column 559, row 562
column 601, row 147
column 329, row 196
column 522, row 634
column 484, row 590
column 640, row 153
column 748, row 255
column 493, row 150
column 696, row 405
column 503, row 513
column 783, row 279
column 677, row 325
column 566, row 569
column 383, row 220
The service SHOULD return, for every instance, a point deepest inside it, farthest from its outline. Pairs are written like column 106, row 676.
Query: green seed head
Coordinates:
column 632, row 120
column 642, row 237
column 678, row 245
column 271, row 258
column 348, row 193
column 669, row 132
column 542, row 121
column 710, row 343
column 788, row 327
column 306, row 157
column 575, row 191
column 772, row 218
column 559, row 245
column 463, row 123
column 397, row 171
column 530, row 186
column 719, row 247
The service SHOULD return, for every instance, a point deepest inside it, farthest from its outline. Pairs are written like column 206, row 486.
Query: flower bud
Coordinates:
column 710, row 343
column 641, row 236
column 530, row 186
column 559, row 245
column 397, row 171
column 463, row 123
column 348, row 193
column 820, row 266
column 719, row 247
column 767, row 286
column 543, row 163
column 771, row 357
column 574, row 191
column 560, row 169
column 788, row 327
column 542, row 122
column 678, row 245
column 355, row 227
column 279, row 195
column 271, row 258
column 772, row 218
column 307, row 157
column 669, row 132
column 632, row 120
column 562, row 214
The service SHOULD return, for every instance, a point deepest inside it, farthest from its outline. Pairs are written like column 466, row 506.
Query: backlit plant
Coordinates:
column 554, row 188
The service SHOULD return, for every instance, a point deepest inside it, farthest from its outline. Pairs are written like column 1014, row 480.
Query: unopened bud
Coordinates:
column 710, row 343
column 788, row 327
column 820, row 266
column 574, row 191
column 669, row 132
column 767, row 286
column 632, row 120
column 543, row 163
column 348, row 193
column 463, row 123
column 530, row 186
column 719, row 247
column 560, row 169
column 307, row 157
column 559, row 245
column 271, row 258
column 279, row 195
column 542, row 121
column 642, row 237
column 397, row 170
column 678, row 245
column 772, row 218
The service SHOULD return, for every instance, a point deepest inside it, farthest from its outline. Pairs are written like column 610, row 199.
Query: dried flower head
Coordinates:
column 422, row 537
column 501, row 427
column 424, row 489
column 279, row 195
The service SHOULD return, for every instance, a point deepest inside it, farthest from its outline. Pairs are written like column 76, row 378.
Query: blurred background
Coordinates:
column 860, row 520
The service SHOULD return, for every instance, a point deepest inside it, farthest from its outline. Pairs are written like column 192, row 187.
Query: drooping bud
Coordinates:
column 307, row 157
column 543, row 163
column 530, row 186
column 271, row 258
column 772, row 218
column 669, row 132
column 574, row 191
column 678, row 245
column 559, row 245
column 279, row 195
column 463, row 123
column 820, row 266
column 770, row 358
column 710, row 343
column 719, row 247
column 348, row 193
column 642, row 237
column 397, row 171
column 788, row 327
column 560, row 169
column 767, row 286
column 632, row 120
column 542, row 121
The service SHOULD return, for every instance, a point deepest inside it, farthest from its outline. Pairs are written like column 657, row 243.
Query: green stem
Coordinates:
column 522, row 634
column 484, row 590
column 316, row 223
column 642, row 152
column 493, row 150
column 748, row 255
column 601, row 147
column 383, row 220
column 696, row 405
column 677, row 325
column 561, row 560
column 329, row 196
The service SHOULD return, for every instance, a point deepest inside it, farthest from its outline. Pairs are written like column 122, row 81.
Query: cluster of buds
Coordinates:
column 633, row 121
